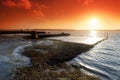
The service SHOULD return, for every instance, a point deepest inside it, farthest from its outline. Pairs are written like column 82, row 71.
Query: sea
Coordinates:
column 103, row 60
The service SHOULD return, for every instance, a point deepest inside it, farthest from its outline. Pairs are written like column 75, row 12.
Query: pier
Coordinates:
column 34, row 34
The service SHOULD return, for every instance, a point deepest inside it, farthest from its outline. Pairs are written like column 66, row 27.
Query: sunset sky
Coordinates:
column 60, row 14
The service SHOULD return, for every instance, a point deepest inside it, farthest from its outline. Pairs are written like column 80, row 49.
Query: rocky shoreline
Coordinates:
column 51, row 62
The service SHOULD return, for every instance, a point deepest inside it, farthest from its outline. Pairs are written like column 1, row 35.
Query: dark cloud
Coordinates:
column 33, row 7
column 37, row 7
column 9, row 3
column 26, row 4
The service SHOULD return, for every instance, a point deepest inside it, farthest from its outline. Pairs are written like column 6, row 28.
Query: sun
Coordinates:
column 93, row 23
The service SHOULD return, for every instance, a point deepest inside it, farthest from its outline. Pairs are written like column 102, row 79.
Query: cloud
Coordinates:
column 37, row 9
column 26, row 4
column 38, row 13
column 9, row 3
column 33, row 7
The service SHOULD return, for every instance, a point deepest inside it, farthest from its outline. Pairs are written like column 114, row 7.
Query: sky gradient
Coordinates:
column 59, row 14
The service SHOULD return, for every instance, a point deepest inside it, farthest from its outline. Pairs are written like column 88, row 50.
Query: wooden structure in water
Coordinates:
column 35, row 34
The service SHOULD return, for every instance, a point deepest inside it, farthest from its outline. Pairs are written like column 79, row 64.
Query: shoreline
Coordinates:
column 51, row 62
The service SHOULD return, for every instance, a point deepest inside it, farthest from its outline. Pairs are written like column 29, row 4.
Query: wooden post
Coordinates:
column 34, row 35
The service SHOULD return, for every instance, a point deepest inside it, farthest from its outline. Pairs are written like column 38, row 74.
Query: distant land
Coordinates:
column 54, row 30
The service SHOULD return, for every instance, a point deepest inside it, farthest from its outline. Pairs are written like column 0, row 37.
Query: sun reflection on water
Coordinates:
column 93, row 34
column 93, row 37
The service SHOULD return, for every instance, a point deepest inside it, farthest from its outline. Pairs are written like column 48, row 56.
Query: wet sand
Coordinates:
column 51, row 62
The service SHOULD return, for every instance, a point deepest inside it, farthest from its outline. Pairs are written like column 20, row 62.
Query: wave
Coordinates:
column 101, row 61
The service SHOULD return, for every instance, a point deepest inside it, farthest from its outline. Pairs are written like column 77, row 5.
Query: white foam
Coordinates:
column 17, row 58
column 12, row 53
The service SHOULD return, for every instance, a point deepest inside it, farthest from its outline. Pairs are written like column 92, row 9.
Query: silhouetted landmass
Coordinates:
column 33, row 33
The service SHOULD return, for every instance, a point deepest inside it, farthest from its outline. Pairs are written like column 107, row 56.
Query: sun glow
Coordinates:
column 91, row 23
column 94, row 23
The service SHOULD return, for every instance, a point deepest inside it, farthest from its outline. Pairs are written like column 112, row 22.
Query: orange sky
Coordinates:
column 59, row 14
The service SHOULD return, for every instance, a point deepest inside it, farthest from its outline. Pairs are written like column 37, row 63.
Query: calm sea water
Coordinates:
column 102, row 60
